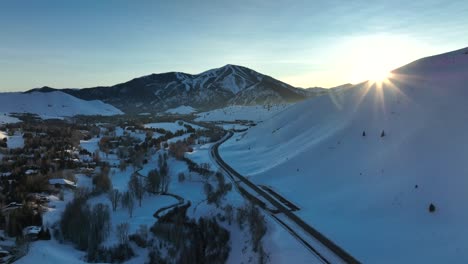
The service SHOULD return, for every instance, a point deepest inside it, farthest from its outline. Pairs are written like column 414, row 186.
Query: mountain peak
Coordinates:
column 219, row 87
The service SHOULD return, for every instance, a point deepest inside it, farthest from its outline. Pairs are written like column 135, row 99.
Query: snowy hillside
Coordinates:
column 52, row 105
column 236, row 112
column 365, row 163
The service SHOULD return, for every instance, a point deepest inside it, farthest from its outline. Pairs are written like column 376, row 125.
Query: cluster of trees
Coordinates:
column 157, row 181
column 179, row 148
column 214, row 195
column 141, row 236
column 118, row 253
column 249, row 215
column 136, row 187
column 85, row 226
column 20, row 218
column 128, row 202
column 204, row 169
column 189, row 241
column 102, row 182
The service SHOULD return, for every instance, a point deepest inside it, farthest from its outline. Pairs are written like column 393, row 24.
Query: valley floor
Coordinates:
column 279, row 244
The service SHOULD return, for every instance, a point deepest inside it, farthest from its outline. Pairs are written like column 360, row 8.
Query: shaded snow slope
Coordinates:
column 53, row 104
column 181, row 110
column 370, row 194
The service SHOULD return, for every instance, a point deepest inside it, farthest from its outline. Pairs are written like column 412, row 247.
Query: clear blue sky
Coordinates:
column 305, row 43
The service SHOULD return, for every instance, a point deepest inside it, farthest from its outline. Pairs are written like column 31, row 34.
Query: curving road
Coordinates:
column 339, row 254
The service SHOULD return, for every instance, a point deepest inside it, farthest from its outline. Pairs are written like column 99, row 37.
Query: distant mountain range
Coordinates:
column 216, row 88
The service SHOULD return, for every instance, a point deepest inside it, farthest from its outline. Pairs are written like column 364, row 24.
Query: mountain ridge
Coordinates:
column 219, row 87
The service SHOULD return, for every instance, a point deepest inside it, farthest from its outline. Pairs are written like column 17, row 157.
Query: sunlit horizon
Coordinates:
column 82, row 44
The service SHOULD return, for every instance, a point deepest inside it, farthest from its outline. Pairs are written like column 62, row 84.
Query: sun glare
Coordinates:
column 371, row 73
column 379, row 76
column 372, row 58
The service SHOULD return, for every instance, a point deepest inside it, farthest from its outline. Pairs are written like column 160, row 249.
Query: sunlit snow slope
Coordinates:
column 370, row 194
column 54, row 104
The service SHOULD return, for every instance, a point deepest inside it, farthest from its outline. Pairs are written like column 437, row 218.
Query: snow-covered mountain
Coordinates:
column 228, row 85
column 52, row 105
column 364, row 163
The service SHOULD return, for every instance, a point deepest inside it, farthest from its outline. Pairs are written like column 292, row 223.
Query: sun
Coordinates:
column 373, row 72
column 378, row 75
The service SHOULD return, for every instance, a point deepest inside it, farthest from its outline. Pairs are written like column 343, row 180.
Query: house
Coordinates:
column 5, row 256
column 5, row 174
column 6, row 210
column 32, row 232
column 11, row 206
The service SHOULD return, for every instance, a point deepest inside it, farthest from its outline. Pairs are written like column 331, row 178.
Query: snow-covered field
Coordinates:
column 172, row 126
column 181, row 110
column 370, row 194
column 53, row 105
column 232, row 113
column 229, row 126
column 6, row 119
column 15, row 141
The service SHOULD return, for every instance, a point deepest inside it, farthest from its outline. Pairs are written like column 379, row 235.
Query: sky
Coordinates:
column 325, row 43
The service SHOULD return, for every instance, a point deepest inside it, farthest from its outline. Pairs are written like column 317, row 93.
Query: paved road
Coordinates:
column 237, row 178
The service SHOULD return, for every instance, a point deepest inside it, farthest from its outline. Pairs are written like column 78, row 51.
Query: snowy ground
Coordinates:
column 278, row 243
column 179, row 138
column 90, row 145
column 232, row 113
column 229, row 126
column 370, row 194
column 15, row 141
column 6, row 119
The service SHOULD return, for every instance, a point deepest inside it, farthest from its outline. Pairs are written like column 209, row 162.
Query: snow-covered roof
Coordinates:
column 5, row 174
column 62, row 182
column 11, row 206
column 30, row 171
column 31, row 230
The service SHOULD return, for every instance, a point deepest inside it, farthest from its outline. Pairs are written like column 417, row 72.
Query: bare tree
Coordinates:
column 128, row 202
column 135, row 185
column 114, row 196
column 122, row 231
column 164, row 172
